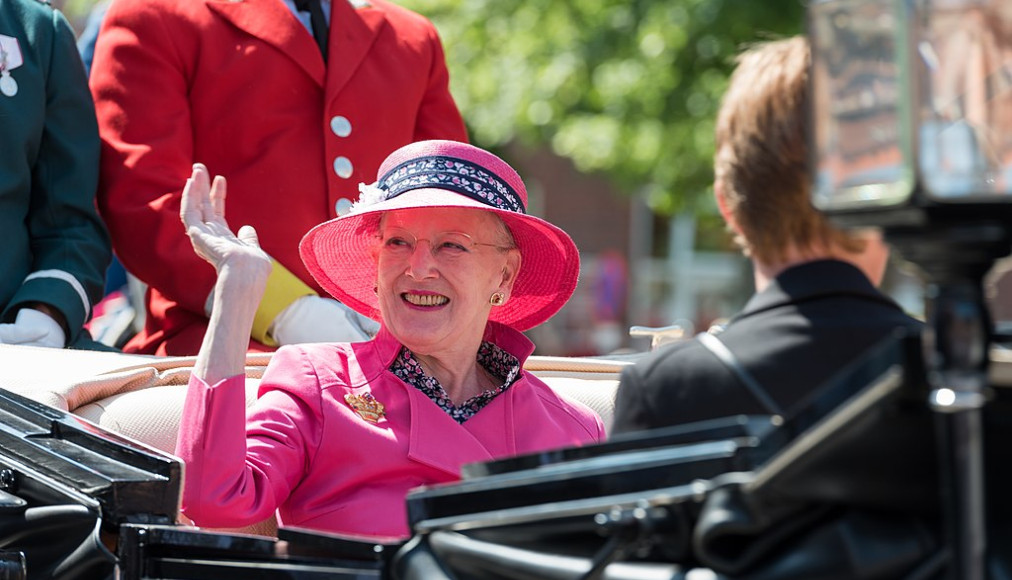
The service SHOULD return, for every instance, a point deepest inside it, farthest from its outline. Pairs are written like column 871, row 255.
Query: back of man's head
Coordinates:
column 761, row 165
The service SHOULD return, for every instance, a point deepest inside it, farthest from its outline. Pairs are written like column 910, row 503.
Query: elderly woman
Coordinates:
column 441, row 252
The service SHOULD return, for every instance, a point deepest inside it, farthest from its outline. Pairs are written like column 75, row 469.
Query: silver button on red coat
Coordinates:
column 341, row 126
column 342, row 167
column 342, row 206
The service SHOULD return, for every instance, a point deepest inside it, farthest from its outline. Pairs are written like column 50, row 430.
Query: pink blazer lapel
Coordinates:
column 437, row 440
column 261, row 18
column 496, row 424
column 352, row 33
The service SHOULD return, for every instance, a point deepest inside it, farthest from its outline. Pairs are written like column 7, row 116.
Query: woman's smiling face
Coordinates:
column 436, row 270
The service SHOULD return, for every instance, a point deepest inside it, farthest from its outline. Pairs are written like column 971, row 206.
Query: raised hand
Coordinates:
column 242, row 269
column 202, row 211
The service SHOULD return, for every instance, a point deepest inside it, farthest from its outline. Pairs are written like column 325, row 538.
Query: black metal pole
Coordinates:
column 959, row 336
column 955, row 257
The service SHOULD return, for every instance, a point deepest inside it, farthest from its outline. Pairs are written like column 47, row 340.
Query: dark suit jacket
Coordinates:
column 809, row 323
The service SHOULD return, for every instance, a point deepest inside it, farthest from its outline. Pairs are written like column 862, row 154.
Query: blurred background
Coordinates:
column 606, row 108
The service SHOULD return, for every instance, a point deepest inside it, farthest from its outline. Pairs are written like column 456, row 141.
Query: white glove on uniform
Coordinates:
column 318, row 319
column 33, row 328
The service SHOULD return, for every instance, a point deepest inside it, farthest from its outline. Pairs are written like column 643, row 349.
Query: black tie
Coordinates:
column 317, row 20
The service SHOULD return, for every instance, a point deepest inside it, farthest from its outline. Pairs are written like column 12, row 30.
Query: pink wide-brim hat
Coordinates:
column 434, row 174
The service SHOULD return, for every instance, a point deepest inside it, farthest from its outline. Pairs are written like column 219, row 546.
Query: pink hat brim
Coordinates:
column 338, row 253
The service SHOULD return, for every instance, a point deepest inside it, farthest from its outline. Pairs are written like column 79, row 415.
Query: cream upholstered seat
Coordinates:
column 141, row 397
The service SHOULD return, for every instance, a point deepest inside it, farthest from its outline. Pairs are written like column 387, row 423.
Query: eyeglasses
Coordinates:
column 444, row 246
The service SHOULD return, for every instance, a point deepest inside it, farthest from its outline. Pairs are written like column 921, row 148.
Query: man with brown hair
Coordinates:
column 816, row 307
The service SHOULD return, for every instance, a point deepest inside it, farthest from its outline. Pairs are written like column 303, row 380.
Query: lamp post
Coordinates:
column 912, row 133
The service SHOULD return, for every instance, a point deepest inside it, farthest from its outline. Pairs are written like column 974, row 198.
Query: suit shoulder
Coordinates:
column 396, row 14
column 668, row 359
column 40, row 29
column 179, row 14
column 544, row 392
column 577, row 410
column 32, row 14
column 313, row 353
column 331, row 364
column 30, row 8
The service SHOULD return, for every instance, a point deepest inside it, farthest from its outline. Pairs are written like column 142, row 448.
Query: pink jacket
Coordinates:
column 306, row 452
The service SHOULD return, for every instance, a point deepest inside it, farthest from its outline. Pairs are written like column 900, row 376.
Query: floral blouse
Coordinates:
column 499, row 363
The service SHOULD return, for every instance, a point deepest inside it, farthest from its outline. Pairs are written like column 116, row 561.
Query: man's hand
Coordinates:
column 318, row 319
column 33, row 328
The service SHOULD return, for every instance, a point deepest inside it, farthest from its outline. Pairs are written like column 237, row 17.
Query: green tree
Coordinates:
column 626, row 88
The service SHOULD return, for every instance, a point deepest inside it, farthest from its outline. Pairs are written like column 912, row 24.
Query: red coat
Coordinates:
column 241, row 86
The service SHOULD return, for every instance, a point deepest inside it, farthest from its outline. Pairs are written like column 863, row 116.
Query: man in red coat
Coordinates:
column 243, row 87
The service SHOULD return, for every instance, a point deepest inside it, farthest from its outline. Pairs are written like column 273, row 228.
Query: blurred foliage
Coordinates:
column 625, row 88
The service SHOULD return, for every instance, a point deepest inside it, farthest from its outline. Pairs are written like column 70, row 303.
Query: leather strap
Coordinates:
column 724, row 355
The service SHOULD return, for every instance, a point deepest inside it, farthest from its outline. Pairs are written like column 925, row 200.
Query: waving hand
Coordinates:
column 242, row 269
column 203, row 213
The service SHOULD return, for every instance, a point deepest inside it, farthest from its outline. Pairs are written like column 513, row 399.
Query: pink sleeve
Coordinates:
column 240, row 464
column 602, row 433
column 589, row 420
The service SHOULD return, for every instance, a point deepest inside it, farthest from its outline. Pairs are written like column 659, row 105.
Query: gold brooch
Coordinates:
column 366, row 406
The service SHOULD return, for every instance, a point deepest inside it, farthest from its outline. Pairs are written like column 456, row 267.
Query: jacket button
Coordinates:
column 341, row 126
column 342, row 167
column 342, row 206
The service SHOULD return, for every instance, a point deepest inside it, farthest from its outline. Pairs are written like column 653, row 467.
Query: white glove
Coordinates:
column 33, row 328
column 318, row 319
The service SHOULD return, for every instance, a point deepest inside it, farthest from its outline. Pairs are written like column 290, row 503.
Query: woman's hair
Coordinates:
column 762, row 154
column 502, row 234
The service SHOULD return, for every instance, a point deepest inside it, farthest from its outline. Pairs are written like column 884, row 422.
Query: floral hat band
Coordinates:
column 442, row 172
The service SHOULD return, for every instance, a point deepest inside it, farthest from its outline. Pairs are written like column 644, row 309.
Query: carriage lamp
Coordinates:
column 912, row 110
column 911, row 132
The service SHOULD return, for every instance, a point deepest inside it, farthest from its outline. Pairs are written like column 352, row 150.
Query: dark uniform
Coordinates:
column 808, row 324
column 55, row 248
